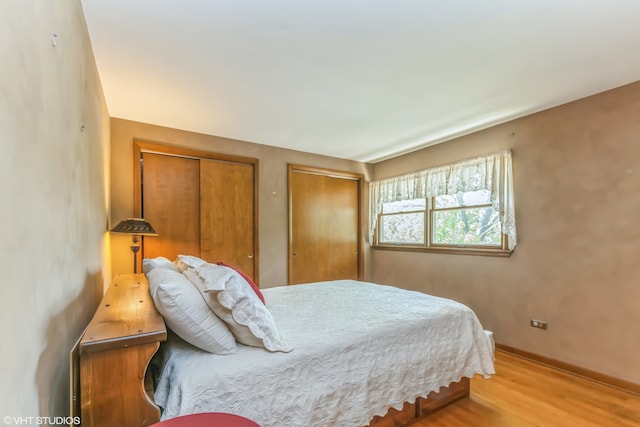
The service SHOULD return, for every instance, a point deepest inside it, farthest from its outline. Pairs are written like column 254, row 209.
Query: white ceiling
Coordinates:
column 356, row 79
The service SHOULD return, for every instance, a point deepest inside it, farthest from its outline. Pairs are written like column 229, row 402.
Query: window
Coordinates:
column 403, row 222
column 465, row 219
column 466, row 207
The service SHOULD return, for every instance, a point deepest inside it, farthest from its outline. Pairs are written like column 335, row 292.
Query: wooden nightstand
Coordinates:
column 115, row 351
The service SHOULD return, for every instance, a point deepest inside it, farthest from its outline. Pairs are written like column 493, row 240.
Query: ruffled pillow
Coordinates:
column 149, row 264
column 251, row 283
column 233, row 300
column 184, row 262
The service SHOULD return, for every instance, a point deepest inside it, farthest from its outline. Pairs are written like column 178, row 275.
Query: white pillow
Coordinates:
column 188, row 261
column 149, row 264
column 187, row 314
column 235, row 302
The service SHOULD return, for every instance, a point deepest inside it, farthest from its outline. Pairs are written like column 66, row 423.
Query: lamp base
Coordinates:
column 135, row 249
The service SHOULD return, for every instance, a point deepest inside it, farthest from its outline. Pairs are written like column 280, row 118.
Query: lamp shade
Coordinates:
column 135, row 226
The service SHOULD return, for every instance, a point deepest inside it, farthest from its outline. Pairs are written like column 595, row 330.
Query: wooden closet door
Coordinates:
column 171, row 204
column 227, row 231
column 324, row 227
column 200, row 203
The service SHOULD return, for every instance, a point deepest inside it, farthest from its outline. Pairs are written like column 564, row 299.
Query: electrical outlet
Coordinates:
column 538, row 324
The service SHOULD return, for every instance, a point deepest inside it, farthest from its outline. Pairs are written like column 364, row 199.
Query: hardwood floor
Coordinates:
column 525, row 393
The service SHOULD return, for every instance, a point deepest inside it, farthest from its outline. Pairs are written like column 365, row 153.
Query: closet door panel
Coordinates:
column 324, row 228
column 171, row 203
column 343, row 235
column 227, row 214
column 309, row 228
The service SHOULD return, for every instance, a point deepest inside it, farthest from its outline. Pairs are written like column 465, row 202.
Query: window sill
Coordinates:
column 445, row 250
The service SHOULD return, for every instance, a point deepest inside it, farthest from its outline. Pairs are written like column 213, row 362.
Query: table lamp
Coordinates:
column 136, row 227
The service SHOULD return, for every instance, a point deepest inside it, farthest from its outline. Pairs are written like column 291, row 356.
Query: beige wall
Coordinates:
column 54, row 192
column 273, row 162
column 577, row 189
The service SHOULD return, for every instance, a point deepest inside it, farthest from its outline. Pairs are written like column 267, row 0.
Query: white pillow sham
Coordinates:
column 234, row 301
column 187, row 314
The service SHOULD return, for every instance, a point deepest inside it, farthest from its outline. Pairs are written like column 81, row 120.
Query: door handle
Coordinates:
column 249, row 255
column 294, row 253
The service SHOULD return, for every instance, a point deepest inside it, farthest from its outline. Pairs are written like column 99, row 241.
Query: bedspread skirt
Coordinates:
column 359, row 349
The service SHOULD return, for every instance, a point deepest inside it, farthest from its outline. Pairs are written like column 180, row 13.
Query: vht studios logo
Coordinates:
column 29, row 421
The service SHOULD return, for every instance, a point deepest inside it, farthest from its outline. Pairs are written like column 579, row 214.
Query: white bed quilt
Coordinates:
column 358, row 349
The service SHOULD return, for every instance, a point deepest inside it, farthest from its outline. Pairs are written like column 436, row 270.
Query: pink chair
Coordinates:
column 207, row 419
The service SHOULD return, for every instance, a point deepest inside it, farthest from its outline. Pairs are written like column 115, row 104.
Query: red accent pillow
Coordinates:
column 245, row 277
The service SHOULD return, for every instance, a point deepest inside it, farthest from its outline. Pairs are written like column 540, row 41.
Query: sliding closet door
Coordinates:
column 171, row 203
column 200, row 203
column 227, row 213
column 324, row 223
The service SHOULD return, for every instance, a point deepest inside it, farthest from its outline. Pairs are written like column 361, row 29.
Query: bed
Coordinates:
column 348, row 353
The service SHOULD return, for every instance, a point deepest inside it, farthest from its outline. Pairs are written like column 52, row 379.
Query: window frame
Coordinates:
column 424, row 213
column 430, row 224
column 428, row 245
column 491, row 172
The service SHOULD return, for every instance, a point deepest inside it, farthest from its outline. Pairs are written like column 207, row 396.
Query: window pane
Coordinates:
column 471, row 226
column 402, row 228
column 469, row 198
column 405, row 206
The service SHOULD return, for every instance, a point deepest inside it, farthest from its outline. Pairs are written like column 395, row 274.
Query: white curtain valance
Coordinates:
column 492, row 172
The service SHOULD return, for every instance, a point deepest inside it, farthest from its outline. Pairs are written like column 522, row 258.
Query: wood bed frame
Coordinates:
column 125, row 333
